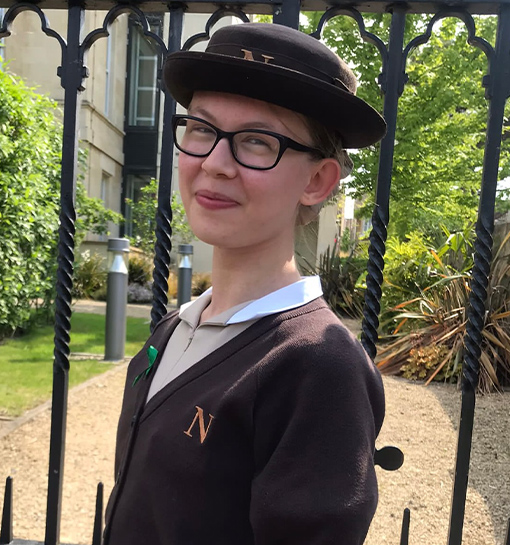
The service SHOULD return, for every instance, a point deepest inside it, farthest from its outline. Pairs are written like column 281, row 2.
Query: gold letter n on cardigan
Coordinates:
column 201, row 424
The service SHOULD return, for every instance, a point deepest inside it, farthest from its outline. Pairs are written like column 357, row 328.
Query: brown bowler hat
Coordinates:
column 282, row 66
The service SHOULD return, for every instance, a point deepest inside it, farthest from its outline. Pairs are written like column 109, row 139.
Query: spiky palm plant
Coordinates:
column 341, row 281
column 427, row 340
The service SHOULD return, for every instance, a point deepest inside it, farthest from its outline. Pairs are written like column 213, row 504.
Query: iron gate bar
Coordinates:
column 406, row 521
column 164, row 213
column 71, row 75
column 287, row 13
column 497, row 91
column 392, row 85
column 97, row 532
column 6, row 525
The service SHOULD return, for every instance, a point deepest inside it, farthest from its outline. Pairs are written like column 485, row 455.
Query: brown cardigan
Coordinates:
column 269, row 440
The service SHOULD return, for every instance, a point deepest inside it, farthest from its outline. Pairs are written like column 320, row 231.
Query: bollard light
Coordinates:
column 185, row 272
column 116, row 299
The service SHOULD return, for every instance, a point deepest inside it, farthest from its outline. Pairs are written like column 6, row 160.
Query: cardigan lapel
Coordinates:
column 159, row 340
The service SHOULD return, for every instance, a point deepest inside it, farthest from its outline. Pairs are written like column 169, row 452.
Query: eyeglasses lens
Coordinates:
column 251, row 149
column 255, row 149
column 194, row 137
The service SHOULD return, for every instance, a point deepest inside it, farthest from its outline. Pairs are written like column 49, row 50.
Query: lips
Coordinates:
column 213, row 200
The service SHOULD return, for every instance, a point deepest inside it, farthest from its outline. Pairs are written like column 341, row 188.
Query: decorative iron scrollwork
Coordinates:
column 473, row 39
column 215, row 17
column 365, row 35
column 16, row 9
column 111, row 16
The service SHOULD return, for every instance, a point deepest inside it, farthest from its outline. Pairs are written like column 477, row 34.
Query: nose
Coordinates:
column 220, row 162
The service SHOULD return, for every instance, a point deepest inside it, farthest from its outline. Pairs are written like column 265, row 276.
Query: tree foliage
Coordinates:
column 143, row 213
column 441, row 121
column 30, row 142
column 30, row 155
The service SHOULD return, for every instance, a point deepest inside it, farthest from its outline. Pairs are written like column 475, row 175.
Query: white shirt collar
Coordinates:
column 292, row 296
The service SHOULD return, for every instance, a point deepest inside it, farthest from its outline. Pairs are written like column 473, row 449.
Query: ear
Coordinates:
column 323, row 180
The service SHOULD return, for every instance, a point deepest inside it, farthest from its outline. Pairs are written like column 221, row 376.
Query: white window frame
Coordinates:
column 135, row 89
column 109, row 79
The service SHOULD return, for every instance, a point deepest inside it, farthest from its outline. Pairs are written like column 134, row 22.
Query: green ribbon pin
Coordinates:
column 152, row 354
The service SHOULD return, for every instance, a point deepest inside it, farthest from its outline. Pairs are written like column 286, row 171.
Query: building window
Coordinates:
column 134, row 185
column 108, row 77
column 143, row 89
column 105, row 185
column 105, row 197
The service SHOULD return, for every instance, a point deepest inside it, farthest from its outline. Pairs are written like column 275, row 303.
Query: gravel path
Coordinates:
column 421, row 421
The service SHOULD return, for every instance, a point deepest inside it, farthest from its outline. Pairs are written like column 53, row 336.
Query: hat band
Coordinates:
column 275, row 59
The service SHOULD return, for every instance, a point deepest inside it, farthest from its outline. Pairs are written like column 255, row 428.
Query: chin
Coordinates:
column 209, row 236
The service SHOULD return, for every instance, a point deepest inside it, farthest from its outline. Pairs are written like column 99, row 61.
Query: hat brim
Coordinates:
column 357, row 122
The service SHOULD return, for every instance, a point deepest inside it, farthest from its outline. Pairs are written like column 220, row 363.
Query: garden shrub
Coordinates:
column 437, row 317
column 89, row 276
column 139, row 294
column 200, row 282
column 422, row 360
column 172, row 285
column 408, row 268
column 342, row 279
column 30, row 156
column 139, row 270
column 30, row 145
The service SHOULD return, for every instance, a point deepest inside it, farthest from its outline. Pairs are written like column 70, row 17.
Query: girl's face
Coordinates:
column 232, row 206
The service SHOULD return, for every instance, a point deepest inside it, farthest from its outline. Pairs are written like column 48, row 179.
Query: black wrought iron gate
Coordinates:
column 394, row 54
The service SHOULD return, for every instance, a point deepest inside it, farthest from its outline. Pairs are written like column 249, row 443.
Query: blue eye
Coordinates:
column 257, row 142
column 200, row 130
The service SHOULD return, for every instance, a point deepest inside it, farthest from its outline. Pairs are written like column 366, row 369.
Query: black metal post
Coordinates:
column 406, row 520
column 164, row 214
column 392, row 86
column 116, row 300
column 71, row 74
column 6, row 535
column 97, row 533
column 498, row 90
column 287, row 13
column 185, row 274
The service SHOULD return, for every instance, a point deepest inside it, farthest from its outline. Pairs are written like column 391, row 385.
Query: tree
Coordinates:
column 143, row 213
column 30, row 154
column 441, row 122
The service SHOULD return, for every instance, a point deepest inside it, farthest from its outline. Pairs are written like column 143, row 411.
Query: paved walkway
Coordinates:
column 99, row 307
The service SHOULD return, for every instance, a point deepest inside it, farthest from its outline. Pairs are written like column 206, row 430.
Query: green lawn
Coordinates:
column 26, row 363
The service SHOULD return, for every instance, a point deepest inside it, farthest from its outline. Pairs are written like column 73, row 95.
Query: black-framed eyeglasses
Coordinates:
column 252, row 148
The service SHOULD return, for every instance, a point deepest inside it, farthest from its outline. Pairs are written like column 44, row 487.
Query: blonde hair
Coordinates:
column 329, row 144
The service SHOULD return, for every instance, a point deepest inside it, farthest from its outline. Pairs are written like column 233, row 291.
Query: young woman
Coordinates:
column 250, row 416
